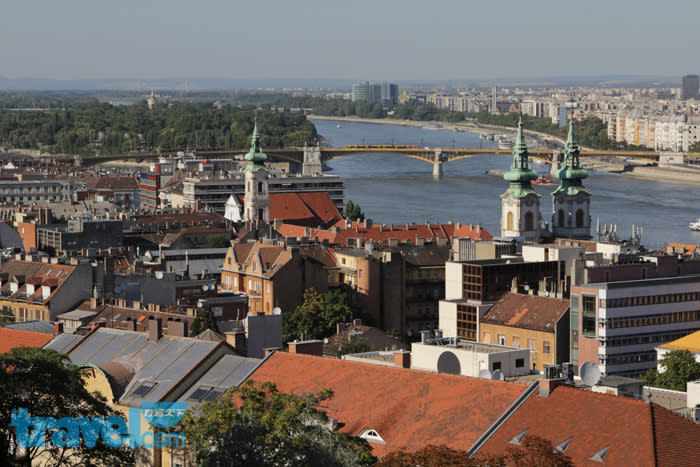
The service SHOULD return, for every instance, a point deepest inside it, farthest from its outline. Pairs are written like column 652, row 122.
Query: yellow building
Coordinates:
column 528, row 321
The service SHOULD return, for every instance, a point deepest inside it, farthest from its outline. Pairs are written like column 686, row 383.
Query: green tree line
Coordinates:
column 98, row 127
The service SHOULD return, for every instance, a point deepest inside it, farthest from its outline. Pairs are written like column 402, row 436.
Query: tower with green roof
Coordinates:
column 571, row 201
column 256, row 204
column 520, row 204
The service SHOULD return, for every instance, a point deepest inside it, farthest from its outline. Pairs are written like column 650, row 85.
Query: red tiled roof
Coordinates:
column 308, row 209
column 637, row 433
column 408, row 233
column 10, row 338
column 527, row 311
column 409, row 409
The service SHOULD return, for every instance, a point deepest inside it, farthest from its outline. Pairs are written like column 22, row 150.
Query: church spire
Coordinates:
column 255, row 157
column 520, row 175
column 571, row 173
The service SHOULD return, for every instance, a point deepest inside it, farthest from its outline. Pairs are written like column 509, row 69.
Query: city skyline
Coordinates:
column 368, row 41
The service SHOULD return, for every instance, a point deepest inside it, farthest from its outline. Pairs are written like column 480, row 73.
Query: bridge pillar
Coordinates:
column 312, row 161
column 437, row 163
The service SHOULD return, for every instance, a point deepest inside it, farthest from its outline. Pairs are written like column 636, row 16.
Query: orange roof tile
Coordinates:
column 409, row 409
column 637, row 433
column 527, row 311
column 11, row 338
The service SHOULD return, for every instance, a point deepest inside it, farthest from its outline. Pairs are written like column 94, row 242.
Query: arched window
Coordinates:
column 261, row 214
column 561, row 218
column 579, row 218
column 529, row 221
column 260, row 187
column 509, row 222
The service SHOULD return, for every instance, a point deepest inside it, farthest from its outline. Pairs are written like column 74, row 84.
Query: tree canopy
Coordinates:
column 679, row 367
column 97, row 127
column 317, row 316
column 353, row 211
column 258, row 425
column 48, row 385
column 204, row 320
column 533, row 451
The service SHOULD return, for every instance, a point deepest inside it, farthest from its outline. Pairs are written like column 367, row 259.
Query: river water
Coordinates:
column 394, row 189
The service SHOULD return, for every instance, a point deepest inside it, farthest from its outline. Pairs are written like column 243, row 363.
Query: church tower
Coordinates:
column 520, row 205
column 256, row 205
column 571, row 202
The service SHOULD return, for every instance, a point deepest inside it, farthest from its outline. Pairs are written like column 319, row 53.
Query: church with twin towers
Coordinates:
column 571, row 201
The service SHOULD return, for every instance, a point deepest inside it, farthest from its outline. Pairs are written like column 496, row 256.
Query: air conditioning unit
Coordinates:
column 552, row 371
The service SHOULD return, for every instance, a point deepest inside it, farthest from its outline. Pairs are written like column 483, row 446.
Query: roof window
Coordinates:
column 518, row 439
column 144, row 389
column 600, row 455
column 372, row 436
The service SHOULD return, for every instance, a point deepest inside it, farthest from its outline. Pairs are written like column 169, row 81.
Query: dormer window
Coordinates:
column 371, row 436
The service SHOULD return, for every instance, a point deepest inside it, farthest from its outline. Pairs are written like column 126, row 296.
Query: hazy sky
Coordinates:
column 356, row 39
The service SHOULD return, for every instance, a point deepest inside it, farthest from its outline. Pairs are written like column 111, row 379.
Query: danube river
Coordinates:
column 394, row 189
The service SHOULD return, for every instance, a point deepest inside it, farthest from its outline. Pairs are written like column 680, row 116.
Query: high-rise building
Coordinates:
column 376, row 93
column 691, row 87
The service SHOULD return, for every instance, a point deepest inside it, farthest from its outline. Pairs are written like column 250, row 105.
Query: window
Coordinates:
column 509, row 221
column 579, row 218
column 546, row 347
column 143, row 389
column 198, row 394
column 501, row 339
column 532, row 345
column 516, row 341
column 529, row 221
column 561, row 218
column 495, row 366
column 519, row 362
column 588, row 314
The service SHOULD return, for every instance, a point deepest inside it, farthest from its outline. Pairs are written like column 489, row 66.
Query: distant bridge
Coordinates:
column 311, row 158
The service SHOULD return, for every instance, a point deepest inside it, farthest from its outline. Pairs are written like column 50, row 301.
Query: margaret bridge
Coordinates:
column 311, row 158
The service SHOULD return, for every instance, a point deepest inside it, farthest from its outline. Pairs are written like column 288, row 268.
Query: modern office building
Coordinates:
column 618, row 325
column 376, row 93
column 690, row 87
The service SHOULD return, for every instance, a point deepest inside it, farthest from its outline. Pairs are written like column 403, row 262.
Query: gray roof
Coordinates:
column 164, row 363
column 228, row 372
column 34, row 325
column 77, row 314
column 63, row 342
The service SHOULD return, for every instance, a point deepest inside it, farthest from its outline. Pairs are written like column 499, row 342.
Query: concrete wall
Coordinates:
column 447, row 317
column 453, row 281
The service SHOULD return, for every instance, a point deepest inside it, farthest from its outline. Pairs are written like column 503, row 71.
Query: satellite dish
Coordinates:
column 485, row 374
column 497, row 375
column 159, row 275
column 200, row 305
column 205, row 287
column 277, row 311
column 590, row 373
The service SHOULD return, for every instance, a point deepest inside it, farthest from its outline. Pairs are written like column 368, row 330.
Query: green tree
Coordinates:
column 679, row 367
column 356, row 345
column 204, row 320
column 317, row 316
column 217, row 241
column 258, row 425
column 6, row 316
column 353, row 211
column 534, row 451
column 48, row 385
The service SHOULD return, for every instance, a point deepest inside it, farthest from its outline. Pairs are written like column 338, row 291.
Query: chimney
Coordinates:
column 402, row 359
column 270, row 350
column 177, row 328
column 57, row 329
column 155, row 330
column 277, row 223
column 314, row 347
column 131, row 325
column 237, row 340
column 548, row 385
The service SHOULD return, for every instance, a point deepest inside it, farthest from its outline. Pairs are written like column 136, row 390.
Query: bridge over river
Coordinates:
column 311, row 158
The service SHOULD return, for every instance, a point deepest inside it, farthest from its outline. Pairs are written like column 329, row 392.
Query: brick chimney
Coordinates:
column 177, row 328
column 402, row 359
column 155, row 330
column 314, row 347
column 57, row 329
